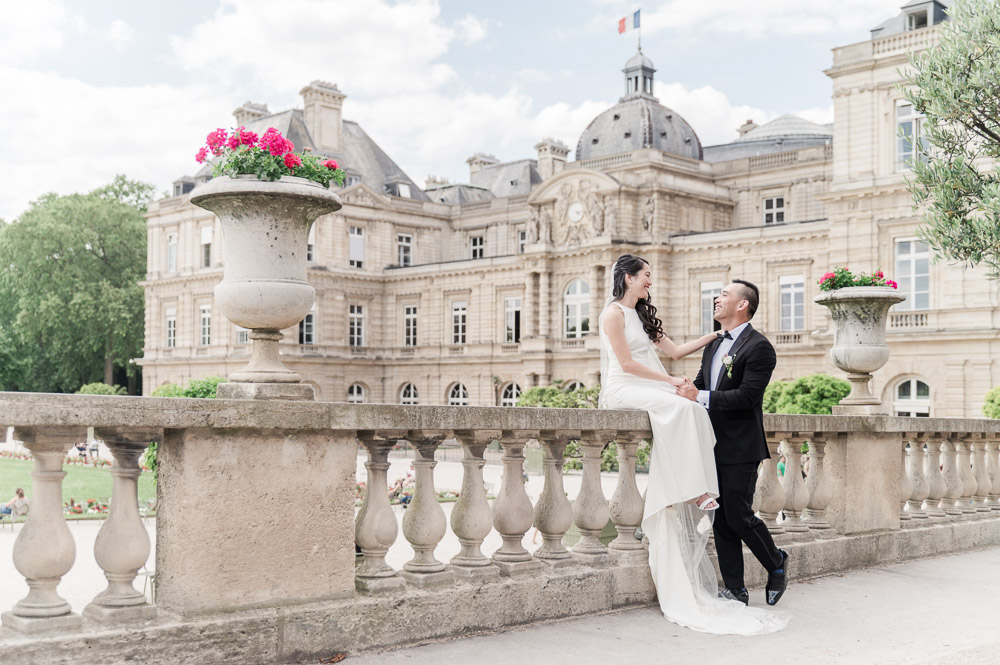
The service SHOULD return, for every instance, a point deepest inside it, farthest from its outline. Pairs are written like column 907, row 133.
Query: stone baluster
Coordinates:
column 512, row 510
column 818, row 488
column 122, row 546
column 919, row 487
column 44, row 550
column 471, row 517
column 952, row 479
column 375, row 527
column 771, row 496
column 963, row 460
column 794, row 487
column 590, row 510
column 424, row 523
column 905, row 484
column 554, row 512
column 626, row 502
column 981, row 495
column 936, row 485
column 993, row 469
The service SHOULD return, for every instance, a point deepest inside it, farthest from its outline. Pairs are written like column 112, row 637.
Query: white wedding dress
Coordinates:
column 682, row 467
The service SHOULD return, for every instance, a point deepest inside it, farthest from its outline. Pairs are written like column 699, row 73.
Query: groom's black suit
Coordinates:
column 738, row 421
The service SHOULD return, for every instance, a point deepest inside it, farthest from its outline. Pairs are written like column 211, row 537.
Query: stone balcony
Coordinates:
column 256, row 523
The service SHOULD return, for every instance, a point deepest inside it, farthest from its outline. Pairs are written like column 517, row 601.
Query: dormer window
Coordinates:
column 616, row 117
column 593, row 142
column 916, row 20
column 628, row 134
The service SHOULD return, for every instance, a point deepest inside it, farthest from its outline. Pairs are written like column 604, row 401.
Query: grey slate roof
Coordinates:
column 898, row 24
column 457, row 193
column 509, row 178
column 782, row 134
column 635, row 122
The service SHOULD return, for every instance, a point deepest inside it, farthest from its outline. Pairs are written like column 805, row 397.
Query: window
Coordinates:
column 403, row 189
column 356, row 325
column 458, row 395
column 709, row 292
column 458, row 312
column 913, row 399
column 573, row 385
column 206, row 325
column 171, row 313
column 913, row 274
column 307, row 327
column 522, row 240
column 206, row 247
column 909, row 136
column 410, row 325
column 512, row 320
column 242, row 335
column 408, row 395
column 916, row 20
column 404, row 249
column 311, row 244
column 357, row 247
column 510, row 394
column 577, row 309
column 476, row 244
column 774, row 210
column 171, row 252
column 793, row 303
column 356, row 394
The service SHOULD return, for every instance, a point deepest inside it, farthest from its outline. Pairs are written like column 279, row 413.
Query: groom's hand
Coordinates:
column 688, row 390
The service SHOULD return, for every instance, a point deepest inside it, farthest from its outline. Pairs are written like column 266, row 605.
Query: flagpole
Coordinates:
column 639, row 31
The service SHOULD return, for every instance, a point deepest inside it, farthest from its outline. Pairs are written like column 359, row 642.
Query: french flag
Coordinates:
column 635, row 22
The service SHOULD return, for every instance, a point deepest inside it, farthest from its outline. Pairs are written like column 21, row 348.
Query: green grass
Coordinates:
column 81, row 482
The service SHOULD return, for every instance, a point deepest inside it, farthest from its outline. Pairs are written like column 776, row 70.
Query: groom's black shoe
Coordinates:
column 777, row 580
column 741, row 594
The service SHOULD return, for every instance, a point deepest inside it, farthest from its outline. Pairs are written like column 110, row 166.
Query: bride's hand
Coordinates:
column 677, row 381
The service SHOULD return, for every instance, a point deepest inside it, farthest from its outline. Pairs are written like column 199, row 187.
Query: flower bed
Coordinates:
column 842, row 278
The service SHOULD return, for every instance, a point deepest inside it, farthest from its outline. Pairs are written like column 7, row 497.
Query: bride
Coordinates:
column 683, row 485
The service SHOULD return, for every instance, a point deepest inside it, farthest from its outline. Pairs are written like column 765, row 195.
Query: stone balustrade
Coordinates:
column 257, row 521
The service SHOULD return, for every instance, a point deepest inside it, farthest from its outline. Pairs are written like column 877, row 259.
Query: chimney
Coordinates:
column 477, row 162
column 435, row 181
column 248, row 112
column 551, row 157
column 322, row 103
column 749, row 125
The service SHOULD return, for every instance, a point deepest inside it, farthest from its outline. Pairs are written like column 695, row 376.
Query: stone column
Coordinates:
column 983, row 484
column 818, row 488
column 512, row 509
column 952, row 480
column 905, row 485
column 590, row 510
column 770, row 496
column 122, row 546
column 793, row 487
column 597, row 292
column 626, row 502
column 963, row 459
column 554, row 512
column 471, row 517
column 529, row 311
column 375, row 527
column 44, row 550
column 544, row 306
column 424, row 523
column 936, row 485
column 919, row 487
column 993, row 468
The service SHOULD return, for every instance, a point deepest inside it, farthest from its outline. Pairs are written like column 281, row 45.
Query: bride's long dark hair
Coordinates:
column 630, row 265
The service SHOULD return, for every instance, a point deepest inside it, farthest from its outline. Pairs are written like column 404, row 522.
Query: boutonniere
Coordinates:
column 727, row 362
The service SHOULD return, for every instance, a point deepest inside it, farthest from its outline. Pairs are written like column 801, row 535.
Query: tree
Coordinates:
column 991, row 406
column 815, row 393
column 955, row 183
column 101, row 389
column 71, row 308
column 773, row 394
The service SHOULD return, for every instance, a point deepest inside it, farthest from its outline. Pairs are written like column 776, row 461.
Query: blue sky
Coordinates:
column 99, row 87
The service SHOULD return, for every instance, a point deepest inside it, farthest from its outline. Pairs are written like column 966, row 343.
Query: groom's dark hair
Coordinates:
column 751, row 294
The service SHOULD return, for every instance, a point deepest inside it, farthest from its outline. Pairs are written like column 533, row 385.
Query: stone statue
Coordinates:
column 533, row 226
column 594, row 209
column 545, row 226
column 562, row 204
column 648, row 210
column 610, row 215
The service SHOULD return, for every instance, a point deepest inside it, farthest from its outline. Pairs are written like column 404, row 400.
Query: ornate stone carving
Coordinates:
column 533, row 223
column 360, row 197
column 610, row 215
column 648, row 212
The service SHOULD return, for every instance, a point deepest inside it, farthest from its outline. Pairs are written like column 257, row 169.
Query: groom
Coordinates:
column 735, row 370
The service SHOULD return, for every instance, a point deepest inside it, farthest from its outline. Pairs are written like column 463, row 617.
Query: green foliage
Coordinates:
column 253, row 159
column 555, row 397
column 199, row 388
column 150, row 460
column 129, row 192
column 101, row 389
column 991, row 406
column 773, row 394
column 956, row 185
column 71, row 308
column 815, row 394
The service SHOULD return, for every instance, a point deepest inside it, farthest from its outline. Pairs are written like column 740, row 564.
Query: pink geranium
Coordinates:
column 330, row 164
column 202, row 155
column 825, row 277
column 292, row 160
column 217, row 141
column 891, row 283
column 276, row 144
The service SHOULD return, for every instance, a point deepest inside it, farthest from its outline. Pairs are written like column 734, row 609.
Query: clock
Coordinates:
column 576, row 212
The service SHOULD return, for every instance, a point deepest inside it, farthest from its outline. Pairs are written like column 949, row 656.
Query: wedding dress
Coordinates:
column 681, row 468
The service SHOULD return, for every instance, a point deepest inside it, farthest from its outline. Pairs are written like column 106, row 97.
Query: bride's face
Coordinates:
column 641, row 282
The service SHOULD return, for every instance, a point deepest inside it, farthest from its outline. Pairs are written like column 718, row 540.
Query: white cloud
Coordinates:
column 471, row 29
column 120, row 34
column 30, row 29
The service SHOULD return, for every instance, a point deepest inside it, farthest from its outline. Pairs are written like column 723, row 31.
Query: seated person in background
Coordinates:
column 18, row 502
column 81, row 448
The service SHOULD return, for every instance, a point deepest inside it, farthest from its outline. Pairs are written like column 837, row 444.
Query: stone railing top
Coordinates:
column 56, row 410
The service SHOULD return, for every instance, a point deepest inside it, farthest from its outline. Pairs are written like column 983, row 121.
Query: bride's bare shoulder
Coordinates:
column 613, row 314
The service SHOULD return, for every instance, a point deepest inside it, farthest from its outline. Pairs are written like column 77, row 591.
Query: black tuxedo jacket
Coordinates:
column 735, row 405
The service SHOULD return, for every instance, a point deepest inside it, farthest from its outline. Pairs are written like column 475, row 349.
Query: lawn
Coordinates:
column 81, row 482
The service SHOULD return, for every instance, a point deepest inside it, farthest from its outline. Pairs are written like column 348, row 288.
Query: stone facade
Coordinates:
column 525, row 232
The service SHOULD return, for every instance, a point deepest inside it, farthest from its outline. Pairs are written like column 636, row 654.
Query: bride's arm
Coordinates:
column 613, row 322
column 678, row 351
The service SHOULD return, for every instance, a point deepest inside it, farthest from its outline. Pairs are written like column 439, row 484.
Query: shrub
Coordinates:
column 101, row 389
column 991, row 407
column 773, row 394
column 816, row 394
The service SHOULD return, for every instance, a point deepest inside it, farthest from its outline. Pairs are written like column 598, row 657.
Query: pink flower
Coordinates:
column 891, row 283
column 878, row 274
column 331, row 164
column 825, row 277
column 202, row 155
column 292, row 160
column 247, row 137
column 275, row 143
column 216, row 141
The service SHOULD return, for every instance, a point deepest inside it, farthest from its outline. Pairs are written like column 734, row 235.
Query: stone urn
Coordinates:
column 265, row 227
column 859, row 348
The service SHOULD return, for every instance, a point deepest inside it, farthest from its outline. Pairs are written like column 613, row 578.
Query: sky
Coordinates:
column 94, row 88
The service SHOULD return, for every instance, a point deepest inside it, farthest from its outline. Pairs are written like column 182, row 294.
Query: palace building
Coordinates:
column 470, row 293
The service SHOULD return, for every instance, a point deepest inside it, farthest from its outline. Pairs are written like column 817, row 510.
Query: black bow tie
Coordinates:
column 725, row 335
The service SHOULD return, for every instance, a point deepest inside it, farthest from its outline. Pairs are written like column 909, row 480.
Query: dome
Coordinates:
column 635, row 123
column 639, row 60
column 787, row 127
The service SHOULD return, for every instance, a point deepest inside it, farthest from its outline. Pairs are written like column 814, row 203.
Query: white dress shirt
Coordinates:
column 704, row 396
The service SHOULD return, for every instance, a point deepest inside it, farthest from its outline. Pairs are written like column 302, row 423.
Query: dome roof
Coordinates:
column 636, row 122
column 786, row 127
column 639, row 60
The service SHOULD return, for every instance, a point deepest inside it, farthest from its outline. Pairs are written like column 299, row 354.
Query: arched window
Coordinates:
column 356, row 394
column 408, row 394
column 576, row 309
column 573, row 385
column 912, row 398
column 510, row 394
column 458, row 395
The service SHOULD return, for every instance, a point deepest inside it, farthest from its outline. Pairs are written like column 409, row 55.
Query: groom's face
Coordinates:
column 730, row 303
